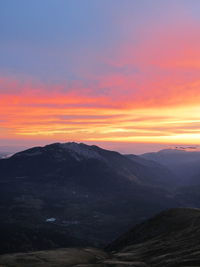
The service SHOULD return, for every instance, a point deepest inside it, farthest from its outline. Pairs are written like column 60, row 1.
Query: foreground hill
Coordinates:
column 81, row 195
column 170, row 239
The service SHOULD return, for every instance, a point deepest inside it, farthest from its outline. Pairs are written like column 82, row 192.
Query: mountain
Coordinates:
column 81, row 195
column 64, row 257
column 169, row 239
column 135, row 170
column 4, row 154
column 184, row 164
column 153, row 172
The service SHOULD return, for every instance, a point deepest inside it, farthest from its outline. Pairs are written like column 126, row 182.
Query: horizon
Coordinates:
column 137, row 149
column 124, row 74
column 99, row 133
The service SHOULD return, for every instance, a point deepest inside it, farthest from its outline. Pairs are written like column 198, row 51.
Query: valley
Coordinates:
column 170, row 239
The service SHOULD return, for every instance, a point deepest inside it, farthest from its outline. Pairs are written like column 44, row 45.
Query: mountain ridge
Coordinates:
column 84, row 188
column 182, row 163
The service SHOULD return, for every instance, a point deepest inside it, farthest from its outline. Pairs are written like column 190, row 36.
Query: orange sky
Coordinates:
column 56, row 115
column 143, row 86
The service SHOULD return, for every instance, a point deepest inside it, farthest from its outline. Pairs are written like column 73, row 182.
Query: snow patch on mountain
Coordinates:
column 81, row 151
column 6, row 156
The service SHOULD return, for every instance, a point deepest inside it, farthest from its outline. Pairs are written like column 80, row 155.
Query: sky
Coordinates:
column 123, row 74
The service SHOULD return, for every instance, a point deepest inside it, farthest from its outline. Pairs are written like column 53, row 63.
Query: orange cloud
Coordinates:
column 151, row 93
column 77, row 116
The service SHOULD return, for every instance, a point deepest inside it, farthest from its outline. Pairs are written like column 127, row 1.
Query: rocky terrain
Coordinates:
column 170, row 239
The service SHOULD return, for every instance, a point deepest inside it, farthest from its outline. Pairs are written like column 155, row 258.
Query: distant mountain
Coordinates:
column 153, row 172
column 184, row 164
column 61, row 159
column 83, row 193
column 170, row 239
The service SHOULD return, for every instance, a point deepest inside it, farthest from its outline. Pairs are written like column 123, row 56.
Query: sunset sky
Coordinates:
column 124, row 74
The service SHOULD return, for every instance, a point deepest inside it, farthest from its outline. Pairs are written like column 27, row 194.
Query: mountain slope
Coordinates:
column 170, row 239
column 153, row 172
column 74, row 190
column 184, row 164
column 3, row 155
column 73, row 154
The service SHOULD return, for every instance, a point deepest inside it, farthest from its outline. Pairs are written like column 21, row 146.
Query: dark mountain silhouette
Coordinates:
column 66, row 157
column 170, row 239
column 154, row 172
column 83, row 193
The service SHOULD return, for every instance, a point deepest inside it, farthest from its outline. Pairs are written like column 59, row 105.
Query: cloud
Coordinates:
column 141, row 85
column 34, row 112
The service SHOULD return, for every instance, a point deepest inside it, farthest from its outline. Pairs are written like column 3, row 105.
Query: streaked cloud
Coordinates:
column 129, row 73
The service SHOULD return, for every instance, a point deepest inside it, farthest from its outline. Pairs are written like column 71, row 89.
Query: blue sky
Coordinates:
column 51, row 39
column 132, row 64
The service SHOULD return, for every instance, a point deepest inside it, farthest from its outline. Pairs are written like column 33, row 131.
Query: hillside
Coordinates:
column 182, row 163
column 154, row 172
column 170, row 239
column 82, row 195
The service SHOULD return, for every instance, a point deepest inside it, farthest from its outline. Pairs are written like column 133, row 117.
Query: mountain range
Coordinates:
column 73, row 194
column 74, row 191
column 182, row 163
